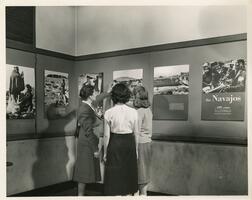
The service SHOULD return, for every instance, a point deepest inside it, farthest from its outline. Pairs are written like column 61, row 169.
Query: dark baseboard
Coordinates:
column 52, row 190
column 70, row 189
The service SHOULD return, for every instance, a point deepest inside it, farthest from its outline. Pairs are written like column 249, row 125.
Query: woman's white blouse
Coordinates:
column 122, row 119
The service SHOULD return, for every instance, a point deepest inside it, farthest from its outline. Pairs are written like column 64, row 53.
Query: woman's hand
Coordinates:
column 105, row 158
column 111, row 85
column 97, row 154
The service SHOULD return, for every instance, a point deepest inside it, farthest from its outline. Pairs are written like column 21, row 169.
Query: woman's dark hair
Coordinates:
column 29, row 88
column 86, row 91
column 120, row 93
column 141, row 97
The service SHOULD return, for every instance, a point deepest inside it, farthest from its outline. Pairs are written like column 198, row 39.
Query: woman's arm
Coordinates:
column 101, row 96
column 106, row 138
column 136, row 129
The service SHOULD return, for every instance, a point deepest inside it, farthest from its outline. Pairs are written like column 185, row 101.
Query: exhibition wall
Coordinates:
column 48, row 160
column 195, row 57
column 41, row 153
column 41, row 124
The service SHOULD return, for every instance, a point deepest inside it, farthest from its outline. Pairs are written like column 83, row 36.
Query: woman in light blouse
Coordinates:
column 142, row 104
column 120, row 140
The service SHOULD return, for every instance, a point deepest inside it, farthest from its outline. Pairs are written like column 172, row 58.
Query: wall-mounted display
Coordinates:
column 94, row 79
column 20, row 92
column 223, row 90
column 56, row 90
column 171, row 88
column 131, row 77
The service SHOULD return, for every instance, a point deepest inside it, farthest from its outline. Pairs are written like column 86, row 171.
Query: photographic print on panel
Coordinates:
column 96, row 80
column 223, row 90
column 20, row 92
column 171, row 88
column 56, row 90
column 131, row 77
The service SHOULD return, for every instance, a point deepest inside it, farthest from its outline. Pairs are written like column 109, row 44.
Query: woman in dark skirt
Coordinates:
column 120, row 141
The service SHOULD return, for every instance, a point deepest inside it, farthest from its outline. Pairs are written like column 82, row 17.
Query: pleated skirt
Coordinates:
column 121, row 176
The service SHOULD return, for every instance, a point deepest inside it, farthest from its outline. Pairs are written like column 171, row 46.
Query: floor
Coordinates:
column 70, row 189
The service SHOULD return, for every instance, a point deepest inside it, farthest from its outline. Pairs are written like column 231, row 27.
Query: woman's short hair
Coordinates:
column 141, row 97
column 29, row 88
column 86, row 91
column 120, row 93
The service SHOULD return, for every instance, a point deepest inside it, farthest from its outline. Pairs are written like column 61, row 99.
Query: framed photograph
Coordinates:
column 96, row 80
column 56, row 89
column 170, row 89
column 20, row 92
column 131, row 77
column 223, row 90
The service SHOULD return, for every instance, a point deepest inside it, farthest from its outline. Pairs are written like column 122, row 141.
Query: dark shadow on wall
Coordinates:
column 52, row 154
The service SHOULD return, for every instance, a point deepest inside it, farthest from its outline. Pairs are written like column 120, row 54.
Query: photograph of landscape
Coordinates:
column 131, row 78
column 56, row 88
column 171, row 80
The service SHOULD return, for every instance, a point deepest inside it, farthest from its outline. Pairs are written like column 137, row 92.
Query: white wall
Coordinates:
column 103, row 29
column 55, row 29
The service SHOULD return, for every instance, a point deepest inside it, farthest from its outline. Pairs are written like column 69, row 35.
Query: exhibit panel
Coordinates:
column 195, row 57
column 36, row 122
column 57, row 121
column 193, row 126
column 18, row 125
column 170, row 92
column 223, row 90
column 20, row 92
column 56, row 94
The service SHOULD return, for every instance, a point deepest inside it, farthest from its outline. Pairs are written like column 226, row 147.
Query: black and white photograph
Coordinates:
column 56, row 88
column 131, row 77
column 20, row 92
column 170, row 92
column 134, row 100
column 222, row 77
column 94, row 79
column 223, row 90
column 171, row 80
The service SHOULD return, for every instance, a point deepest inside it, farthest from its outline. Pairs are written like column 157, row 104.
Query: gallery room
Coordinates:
column 191, row 63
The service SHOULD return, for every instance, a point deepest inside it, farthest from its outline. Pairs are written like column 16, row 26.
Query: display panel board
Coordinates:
column 170, row 89
column 20, row 92
column 223, row 90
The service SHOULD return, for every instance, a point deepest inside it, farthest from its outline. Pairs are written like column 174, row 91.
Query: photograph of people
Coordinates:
column 20, row 92
column 120, row 145
column 221, row 77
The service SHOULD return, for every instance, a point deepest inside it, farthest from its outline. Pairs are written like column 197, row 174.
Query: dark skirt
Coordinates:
column 121, row 165
column 87, row 167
